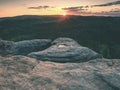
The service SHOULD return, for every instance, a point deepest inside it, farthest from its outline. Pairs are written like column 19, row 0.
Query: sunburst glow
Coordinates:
column 64, row 14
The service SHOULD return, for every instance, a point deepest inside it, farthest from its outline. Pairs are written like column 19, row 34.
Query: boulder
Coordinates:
column 65, row 50
column 25, row 47
column 4, row 46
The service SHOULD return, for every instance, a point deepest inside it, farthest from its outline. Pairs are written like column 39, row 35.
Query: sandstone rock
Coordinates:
column 112, row 79
column 65, row 50
column 23, row 73
column 26, row 46
column 4, row 46
column 13, row 70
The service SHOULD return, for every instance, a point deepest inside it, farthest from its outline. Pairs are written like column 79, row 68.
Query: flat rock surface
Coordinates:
column 23, row 73
column 65, row 50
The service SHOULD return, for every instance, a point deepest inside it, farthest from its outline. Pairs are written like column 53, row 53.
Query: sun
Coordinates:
column 64, row 14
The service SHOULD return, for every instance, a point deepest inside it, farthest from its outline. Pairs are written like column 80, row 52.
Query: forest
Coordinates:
column 101, row 34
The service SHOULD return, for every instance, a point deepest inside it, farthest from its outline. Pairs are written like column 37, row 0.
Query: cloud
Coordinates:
column 85, row 10
column 1, row 1
column 113, row 12
column 10, row 1
column 116, row 10
column 107, row 4
column 41, row 7
column 76, row 10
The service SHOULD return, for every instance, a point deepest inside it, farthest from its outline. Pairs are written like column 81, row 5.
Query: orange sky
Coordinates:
column 52, row 7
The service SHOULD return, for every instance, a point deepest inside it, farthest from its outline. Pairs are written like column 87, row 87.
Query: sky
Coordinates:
column 10, row 8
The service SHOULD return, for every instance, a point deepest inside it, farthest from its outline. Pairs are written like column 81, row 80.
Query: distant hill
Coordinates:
column 98, row 33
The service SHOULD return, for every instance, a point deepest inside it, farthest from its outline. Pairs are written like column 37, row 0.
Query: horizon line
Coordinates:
column 59, row 15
